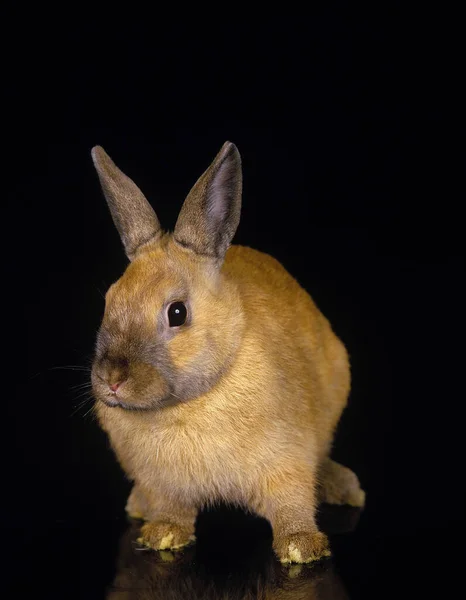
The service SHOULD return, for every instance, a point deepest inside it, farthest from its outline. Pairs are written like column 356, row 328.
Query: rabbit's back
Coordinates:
column 282, row 318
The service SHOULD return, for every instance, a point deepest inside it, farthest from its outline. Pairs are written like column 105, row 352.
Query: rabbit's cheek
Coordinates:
column 146, row 380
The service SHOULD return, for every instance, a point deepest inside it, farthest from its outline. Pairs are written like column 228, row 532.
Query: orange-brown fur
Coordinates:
column 261, row 435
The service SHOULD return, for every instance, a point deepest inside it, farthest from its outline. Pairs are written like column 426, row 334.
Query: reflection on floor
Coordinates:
column 232, row 560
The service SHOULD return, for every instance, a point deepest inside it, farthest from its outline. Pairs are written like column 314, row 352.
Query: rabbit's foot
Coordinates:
column 340, row 485
column 302, row 547
column 160, row 535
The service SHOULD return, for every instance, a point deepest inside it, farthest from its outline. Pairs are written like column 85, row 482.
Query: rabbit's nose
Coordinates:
column 115, row 374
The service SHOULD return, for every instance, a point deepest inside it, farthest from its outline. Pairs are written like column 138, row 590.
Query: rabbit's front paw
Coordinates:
column 165, row 536
column 302, row 547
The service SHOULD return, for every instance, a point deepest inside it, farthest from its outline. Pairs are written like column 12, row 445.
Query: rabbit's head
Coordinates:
column 173, row 322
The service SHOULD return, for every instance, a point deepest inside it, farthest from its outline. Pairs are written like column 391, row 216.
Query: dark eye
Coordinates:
column 177, row 314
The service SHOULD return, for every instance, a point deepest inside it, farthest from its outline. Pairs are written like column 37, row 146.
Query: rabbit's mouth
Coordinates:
column 114, row 403
column 129, row 386
column 146, row 402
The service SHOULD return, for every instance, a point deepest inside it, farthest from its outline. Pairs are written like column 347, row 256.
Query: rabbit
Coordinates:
column 215, row 375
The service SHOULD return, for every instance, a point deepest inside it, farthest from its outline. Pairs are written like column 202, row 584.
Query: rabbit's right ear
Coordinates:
column 210, row 214
column 132, row 214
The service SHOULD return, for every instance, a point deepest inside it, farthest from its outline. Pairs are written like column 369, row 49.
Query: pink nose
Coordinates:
column 114, row 386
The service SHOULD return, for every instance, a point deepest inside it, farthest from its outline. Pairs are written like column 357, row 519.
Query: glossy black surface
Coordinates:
column 232, row 560
column 353, row 179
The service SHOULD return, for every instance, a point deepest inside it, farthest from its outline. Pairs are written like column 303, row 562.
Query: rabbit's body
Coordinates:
column 266, row 413
column 240, row 404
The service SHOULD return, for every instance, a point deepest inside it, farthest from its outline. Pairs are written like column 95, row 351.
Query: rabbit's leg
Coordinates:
column 339, row 485
column 136, row 506
column 289, row 502
column 169, row 525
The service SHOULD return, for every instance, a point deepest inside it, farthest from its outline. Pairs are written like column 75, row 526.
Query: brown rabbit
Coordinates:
column 216, row 376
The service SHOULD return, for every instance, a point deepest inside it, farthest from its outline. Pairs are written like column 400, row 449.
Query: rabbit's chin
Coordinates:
column 113, row 403
column 140, row 405
column 128, row 399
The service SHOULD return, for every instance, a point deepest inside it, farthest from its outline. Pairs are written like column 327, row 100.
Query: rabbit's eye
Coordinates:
column 177, row 314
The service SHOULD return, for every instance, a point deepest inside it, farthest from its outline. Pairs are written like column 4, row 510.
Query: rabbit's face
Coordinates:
column 170, row 329
column 173, row 322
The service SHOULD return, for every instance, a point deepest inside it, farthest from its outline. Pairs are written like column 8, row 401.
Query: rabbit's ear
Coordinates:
column 210, row 214
column 132, row 214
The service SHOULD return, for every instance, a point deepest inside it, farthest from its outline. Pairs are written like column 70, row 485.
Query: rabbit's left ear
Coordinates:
column 210, row 214
column 132, row 214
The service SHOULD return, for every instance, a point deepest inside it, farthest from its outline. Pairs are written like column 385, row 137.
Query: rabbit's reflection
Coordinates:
column 199, row 572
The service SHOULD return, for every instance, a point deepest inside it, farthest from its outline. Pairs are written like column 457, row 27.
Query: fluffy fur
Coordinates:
column 239, row 404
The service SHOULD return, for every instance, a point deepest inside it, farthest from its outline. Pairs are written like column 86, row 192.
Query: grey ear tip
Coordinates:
column 229, row 146
column 98, row 154
column 229, row 149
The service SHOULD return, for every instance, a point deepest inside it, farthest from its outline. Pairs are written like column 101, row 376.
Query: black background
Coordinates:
column 352, row 179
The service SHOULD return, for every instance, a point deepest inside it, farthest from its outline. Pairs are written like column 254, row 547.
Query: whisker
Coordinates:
column 70, row 368
column 91, row 410
column 81, row 405
column 101, row 293
column 83, row 393
column 80, row 386
column 80, row 394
